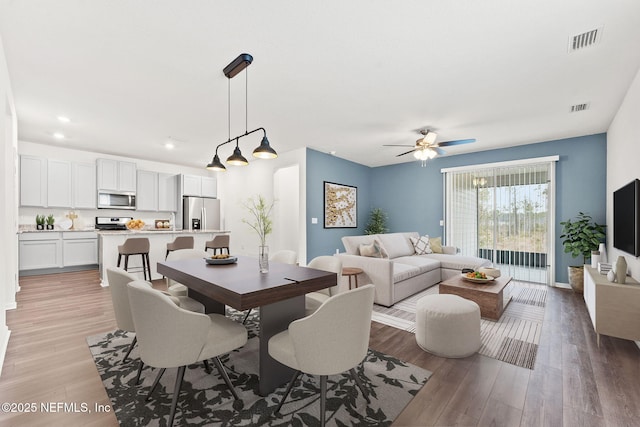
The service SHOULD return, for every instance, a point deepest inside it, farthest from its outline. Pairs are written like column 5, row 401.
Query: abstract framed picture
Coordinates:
column 340, row 205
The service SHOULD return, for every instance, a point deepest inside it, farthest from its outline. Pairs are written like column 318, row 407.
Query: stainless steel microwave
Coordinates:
column 116, row 200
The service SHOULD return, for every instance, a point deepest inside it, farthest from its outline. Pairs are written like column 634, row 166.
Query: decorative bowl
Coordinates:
column 493, row 272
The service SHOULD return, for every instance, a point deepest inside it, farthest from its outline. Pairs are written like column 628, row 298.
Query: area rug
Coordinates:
column 206, row 401
column 513, row 339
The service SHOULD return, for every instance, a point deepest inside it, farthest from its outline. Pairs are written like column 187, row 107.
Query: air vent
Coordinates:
column 584, row 40
column 579, row 107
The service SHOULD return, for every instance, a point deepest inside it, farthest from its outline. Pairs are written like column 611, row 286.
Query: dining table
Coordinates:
column 279, row 293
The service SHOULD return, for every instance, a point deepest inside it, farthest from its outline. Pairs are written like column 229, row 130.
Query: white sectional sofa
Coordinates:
column 403, row 273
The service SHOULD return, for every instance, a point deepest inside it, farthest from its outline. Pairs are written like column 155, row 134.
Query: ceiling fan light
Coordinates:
column 431, row 153
column 237, row 159
column 216, row 165
column 421, row 154
column 264, row 150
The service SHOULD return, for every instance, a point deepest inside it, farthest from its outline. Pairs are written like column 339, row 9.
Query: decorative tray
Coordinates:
column 221, row 261
column 477, row 280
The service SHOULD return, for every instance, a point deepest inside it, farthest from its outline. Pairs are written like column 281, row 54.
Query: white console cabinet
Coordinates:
column 614, row 308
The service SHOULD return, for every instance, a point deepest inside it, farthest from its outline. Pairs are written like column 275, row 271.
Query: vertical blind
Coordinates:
column 503, row 213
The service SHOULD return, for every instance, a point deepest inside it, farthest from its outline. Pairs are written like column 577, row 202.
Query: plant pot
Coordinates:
column 263, row 259
column 576, row 278
column 39, row 226
column 49, row 226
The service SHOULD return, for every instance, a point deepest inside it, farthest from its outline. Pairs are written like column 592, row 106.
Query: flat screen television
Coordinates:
column 626, row 224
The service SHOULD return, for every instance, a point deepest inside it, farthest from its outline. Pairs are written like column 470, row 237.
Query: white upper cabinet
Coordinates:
column 115, row 175
column 147, row 191
column 200, row 186
column 33, row 181
column 59, row 183
column 167, row 192
column 84, row 185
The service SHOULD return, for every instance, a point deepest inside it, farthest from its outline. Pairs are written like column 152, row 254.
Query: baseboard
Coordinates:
column 637, row 343
column 4, row 343
column 56, row 270
column 562, row 285
column 11, row 306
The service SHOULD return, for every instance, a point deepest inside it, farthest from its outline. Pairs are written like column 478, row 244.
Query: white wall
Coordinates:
column 8, row 213
column 623, row 153
column 238, row 184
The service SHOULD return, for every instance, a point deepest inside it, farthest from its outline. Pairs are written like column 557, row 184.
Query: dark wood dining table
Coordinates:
column 279, row 293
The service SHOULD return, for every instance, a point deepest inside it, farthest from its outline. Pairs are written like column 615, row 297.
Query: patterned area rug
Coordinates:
column 206, row 401
column 513, row 339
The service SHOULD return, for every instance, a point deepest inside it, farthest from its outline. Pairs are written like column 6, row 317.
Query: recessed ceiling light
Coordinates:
column 64, row 119
column 58, row 135
column 169, row 145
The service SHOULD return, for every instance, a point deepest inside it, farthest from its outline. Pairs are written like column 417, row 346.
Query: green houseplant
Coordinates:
column 377, row 222
column 39, row 222
column 50, row 221
column 262, row 224
column 581, row 235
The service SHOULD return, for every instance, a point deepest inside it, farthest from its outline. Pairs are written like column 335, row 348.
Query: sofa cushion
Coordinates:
column 410, row 266
column 421, row 245
column 352, row 243
column 396, row 244
column 458, row 262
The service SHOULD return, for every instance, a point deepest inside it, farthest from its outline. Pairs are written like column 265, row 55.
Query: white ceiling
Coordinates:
column 343, row 76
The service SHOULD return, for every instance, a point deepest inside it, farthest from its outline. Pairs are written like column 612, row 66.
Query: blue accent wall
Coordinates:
column 324, row 167
column 412, row 196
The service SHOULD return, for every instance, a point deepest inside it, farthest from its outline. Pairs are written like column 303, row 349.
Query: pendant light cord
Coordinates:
column 229, row 108
column 246, row 100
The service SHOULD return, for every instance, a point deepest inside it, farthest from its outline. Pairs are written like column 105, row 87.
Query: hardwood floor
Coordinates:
column 574, row 382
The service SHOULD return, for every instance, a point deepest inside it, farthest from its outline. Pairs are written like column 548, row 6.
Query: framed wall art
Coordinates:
column 340, row 205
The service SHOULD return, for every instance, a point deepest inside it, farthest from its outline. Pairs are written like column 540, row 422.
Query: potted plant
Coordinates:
column 580, row 235
column 39, row 222
column 377, row 222
column 50, row 221
column 261, row 223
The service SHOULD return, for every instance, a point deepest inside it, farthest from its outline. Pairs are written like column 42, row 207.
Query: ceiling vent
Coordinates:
column 584, row 40
column 579, row 107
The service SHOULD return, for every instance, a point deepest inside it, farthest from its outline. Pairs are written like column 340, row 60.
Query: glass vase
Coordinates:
column 263, row 258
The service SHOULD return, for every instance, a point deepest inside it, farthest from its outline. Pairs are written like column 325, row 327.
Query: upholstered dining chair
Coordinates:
column 332, row 340
column 118, row 280
column 284, row 256
column 219, row 242
column 177, row 289
column 180, row 242
column 169, row 336
column 333, row 264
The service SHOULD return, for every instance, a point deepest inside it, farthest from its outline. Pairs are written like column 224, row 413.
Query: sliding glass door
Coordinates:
column 504, row 212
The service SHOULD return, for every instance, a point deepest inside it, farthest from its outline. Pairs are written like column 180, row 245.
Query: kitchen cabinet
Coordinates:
column 116, row 175
column 167, row 192
column 58, row 184
column 33, row 181
column 147, row 191
column 40, row 250
column 84, row 185
column 79, row 248
column 613, row 307
column 200, row 186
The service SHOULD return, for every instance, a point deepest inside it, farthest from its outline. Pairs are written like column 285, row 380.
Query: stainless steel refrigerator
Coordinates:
column 200, row 213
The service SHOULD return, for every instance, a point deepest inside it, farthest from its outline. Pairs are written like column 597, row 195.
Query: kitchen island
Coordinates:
column 109, row 240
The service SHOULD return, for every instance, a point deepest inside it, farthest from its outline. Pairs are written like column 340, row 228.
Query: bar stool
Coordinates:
column 220, row 241
column 180, row 242
column 136, row 246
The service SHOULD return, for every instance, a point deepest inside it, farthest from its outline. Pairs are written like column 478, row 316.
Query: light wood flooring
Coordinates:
column 574, row 382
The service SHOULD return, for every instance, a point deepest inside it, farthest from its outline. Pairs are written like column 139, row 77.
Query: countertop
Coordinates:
column 113, row 232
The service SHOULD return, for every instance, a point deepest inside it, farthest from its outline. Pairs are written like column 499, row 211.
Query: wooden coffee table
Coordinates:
column 492, row 297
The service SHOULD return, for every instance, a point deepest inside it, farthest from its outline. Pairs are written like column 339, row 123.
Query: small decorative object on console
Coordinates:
column 135, row 224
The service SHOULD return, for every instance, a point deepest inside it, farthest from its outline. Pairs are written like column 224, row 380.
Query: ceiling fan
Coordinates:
column 426, row 147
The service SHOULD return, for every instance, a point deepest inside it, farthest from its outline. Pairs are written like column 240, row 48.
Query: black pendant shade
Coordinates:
column 264, row 151
column 237, row 159
column 216, row 165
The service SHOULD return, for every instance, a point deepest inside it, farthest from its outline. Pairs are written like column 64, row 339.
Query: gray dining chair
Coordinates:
column 332, row 340
column 171, row 337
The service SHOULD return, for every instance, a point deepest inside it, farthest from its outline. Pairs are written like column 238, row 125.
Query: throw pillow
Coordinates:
column 421, row 245
column 436, row 244
column 373, row 250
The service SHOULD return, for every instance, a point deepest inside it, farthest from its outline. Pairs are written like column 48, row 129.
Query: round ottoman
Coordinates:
column 448, row 325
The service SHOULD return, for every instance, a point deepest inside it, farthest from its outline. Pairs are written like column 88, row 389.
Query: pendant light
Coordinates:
column 264, row 150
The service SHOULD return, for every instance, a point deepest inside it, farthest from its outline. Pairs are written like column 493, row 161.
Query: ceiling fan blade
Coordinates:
column 397, row 145
column 440, row 151
column 410, row 151
column 457, row 142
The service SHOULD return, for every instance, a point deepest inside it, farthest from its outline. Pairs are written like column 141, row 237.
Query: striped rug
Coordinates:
column 513, row 339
